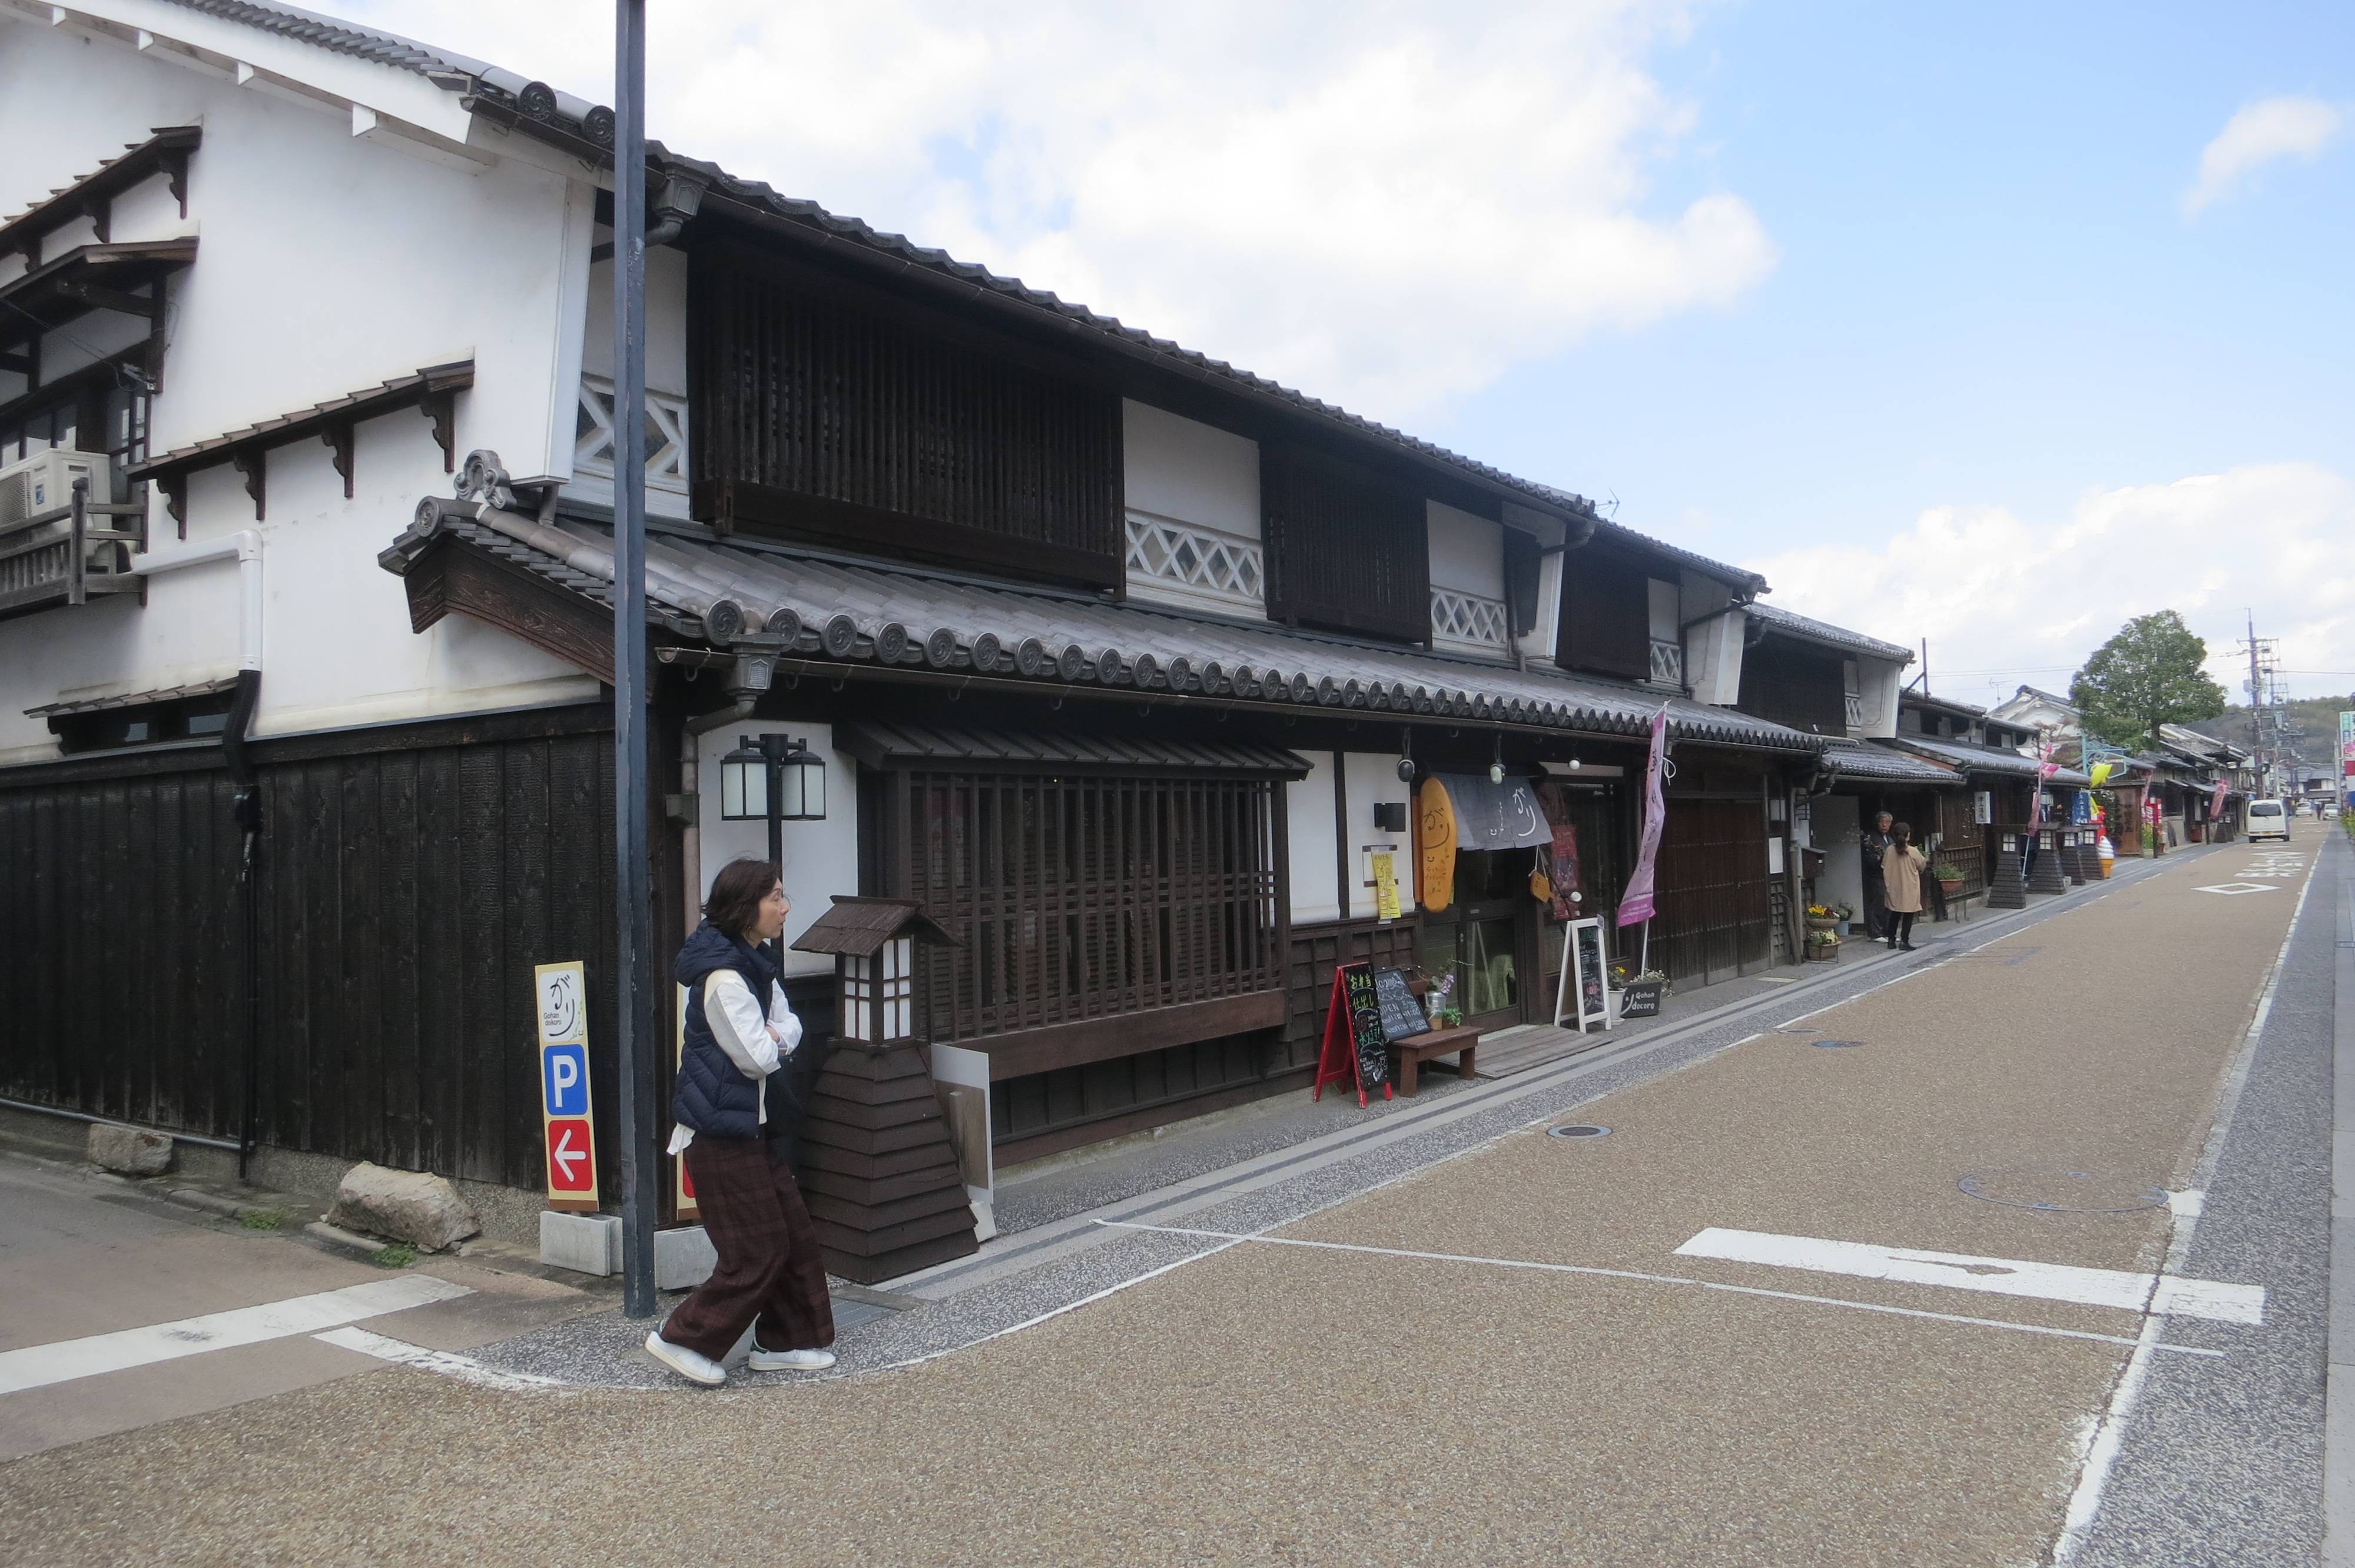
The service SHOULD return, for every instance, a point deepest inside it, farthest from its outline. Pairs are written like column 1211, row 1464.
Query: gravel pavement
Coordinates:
column 1257, row 1402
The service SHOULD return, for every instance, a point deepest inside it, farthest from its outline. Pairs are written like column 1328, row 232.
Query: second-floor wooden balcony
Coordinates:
column 70, row 554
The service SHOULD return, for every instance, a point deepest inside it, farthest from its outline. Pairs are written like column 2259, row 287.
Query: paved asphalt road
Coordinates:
column 1503, row 1356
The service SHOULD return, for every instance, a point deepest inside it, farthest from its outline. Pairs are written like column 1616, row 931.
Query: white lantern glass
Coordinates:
column 744, row 784
column 856, row 1020
column 801, row 786
column 898, row 988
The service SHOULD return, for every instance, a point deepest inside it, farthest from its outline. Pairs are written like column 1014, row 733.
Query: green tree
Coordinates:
column 2152, row 672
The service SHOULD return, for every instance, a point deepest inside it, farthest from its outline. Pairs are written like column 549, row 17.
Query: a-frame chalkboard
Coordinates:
column 1356, row 1046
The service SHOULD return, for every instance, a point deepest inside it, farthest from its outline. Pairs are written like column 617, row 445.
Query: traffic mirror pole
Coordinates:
column 637, row 1025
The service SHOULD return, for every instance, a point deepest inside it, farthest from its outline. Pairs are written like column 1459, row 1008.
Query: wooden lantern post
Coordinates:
column 879, row 1170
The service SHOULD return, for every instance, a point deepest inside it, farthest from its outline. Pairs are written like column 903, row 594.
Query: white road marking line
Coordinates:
column 1231, row 1237
column 37, row 1366
column 1996, row 1276
column 2102, row 1453
column 2234, row 889
column 448, row 1364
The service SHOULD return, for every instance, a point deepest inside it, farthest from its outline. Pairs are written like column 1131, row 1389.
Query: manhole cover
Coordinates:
column 2063, row 1189
column 1839, row 1041
column 1578, row 1129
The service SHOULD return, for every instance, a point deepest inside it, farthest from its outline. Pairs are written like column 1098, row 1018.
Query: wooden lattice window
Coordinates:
column 843, row 419
column 1347, row 549
column 1076, row 898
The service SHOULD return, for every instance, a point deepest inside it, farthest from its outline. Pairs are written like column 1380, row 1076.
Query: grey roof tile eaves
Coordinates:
column 1870, row 759
column 1810, row 630
column 871, row 607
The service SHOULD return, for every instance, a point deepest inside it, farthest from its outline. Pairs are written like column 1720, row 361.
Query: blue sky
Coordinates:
column 1985, row 291
column 1904, row 307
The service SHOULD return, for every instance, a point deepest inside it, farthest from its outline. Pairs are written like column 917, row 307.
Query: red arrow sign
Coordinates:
column 572, row 1165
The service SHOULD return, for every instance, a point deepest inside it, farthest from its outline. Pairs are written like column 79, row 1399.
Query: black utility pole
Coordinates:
column 633, row 881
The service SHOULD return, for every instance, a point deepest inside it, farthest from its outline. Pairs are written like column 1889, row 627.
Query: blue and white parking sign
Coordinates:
column 564, row 1079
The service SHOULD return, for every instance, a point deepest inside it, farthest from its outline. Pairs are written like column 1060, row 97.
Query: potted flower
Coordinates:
column 1823, row 918
column 1823, row 947
column 1442, row 1012
column 1950, row 878
column 1640, row 997
column 1843, row 913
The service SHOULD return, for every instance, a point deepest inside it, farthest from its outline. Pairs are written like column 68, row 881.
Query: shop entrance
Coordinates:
column 1488, row 939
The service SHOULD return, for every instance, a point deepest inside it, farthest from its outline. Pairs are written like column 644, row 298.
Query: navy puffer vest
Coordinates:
column 714, row 1096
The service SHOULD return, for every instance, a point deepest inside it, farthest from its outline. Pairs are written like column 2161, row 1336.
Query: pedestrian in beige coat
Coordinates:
column 1901, row 866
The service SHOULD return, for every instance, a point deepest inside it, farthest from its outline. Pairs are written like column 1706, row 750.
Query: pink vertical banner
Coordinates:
column 2216, row 801
column 1637, row 904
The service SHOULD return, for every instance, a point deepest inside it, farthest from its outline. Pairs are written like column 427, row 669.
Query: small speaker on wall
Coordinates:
column 1390, row 816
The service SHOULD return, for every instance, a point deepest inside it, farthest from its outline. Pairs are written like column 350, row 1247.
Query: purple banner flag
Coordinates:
column 1637, row 904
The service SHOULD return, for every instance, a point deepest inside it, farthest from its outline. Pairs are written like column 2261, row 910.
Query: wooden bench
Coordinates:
column 1407, row 1056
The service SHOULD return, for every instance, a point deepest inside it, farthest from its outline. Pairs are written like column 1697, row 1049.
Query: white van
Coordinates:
column 2269, row 821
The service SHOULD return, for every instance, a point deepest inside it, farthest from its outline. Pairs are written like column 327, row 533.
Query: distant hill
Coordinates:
column 2318, row 716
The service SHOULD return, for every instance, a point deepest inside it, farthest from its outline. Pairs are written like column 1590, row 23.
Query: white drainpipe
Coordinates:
column 245, row 545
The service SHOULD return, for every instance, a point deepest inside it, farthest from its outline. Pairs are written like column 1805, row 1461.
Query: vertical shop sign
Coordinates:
column 561, row 994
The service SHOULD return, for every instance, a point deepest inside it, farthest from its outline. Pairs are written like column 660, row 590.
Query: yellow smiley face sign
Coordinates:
column 1435, row 843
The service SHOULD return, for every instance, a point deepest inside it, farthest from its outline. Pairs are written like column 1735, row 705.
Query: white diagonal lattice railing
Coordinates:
column 1855, row 711
column 593, row 442
column 1215, row 566
column 1467, row 618
column 1667, row 663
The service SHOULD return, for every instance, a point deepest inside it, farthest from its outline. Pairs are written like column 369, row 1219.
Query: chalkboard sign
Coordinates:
column 1585, row 996
column 1366, row 1026
column 1403, row 1016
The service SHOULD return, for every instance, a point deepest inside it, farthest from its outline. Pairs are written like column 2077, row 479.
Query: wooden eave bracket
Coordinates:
column 253, row 463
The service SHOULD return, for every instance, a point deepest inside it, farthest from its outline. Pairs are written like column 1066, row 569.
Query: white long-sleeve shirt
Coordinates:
column 757, row 1045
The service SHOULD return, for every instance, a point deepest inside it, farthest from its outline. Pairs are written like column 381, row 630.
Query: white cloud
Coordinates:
column 1385, row 204
column 1996, row 592
column 2268, row 129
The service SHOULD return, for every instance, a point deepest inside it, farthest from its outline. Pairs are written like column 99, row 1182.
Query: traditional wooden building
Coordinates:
column 1116, row 660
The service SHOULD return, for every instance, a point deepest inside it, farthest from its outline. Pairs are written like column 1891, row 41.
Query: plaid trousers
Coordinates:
column 770, row 1267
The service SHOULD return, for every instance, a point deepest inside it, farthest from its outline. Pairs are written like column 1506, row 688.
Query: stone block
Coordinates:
column 406, row 1205
column 586, row 1243
column 683, row 1258
column 133, row 1150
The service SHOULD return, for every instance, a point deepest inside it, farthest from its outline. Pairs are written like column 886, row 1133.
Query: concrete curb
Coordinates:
column 336, row 1239
column 2338, row 1374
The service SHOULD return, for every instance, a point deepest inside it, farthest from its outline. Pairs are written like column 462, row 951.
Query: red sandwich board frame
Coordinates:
column 1340, row 1043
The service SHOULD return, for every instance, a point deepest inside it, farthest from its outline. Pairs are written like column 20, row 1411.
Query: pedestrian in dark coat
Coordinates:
column 1871, row 846
column 770, row 1274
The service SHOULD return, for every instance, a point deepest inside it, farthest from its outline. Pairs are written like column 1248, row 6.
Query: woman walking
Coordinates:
column 1900, row 875
column 770, row 1274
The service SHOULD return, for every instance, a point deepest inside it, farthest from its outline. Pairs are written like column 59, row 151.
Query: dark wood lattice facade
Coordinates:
column 1347, row 549
column 1081, row 898
column 822, row 417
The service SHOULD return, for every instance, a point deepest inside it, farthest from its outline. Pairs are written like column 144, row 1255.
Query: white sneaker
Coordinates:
column 790, row 1360
column 692, row 1365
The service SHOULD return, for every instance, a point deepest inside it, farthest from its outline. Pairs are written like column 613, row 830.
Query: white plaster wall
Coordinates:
column 326, row 264
column 821, row 858
column 337, row 645
column 1537, row 644
column 1308, row 824
column 1192, row 473
column 1878, row 682
column 1662, row 609
column 666, row 358
column 1713, row 658
column 1371, row 776
column 1467, row 552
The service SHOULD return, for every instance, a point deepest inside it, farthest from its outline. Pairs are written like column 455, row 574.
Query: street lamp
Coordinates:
column 773, row 778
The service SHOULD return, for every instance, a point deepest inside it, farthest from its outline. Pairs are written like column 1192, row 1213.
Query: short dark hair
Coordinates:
column 736, row 892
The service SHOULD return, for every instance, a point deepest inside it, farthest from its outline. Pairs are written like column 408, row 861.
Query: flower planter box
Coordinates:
column 1950, row 886
column 1823, row 952
column 1821, row 923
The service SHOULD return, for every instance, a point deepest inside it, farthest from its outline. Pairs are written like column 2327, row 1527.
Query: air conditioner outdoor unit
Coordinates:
column 44, row 482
